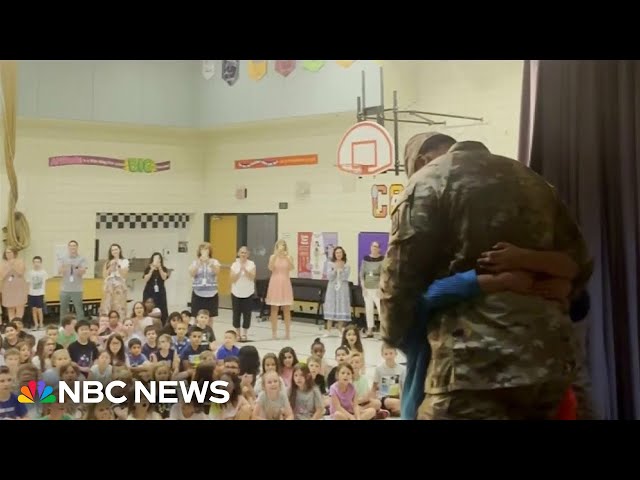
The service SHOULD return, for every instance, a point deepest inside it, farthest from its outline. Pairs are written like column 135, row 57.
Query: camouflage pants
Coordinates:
column 582, row 383
column 532, row 402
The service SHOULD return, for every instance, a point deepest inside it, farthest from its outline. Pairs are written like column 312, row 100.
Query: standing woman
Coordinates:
column 115, row 272
column 14, row 285
column 204, row 271
column 243, row 275
column 370, row 283
column 154, row 276
column 337, row 301
column 280, row 291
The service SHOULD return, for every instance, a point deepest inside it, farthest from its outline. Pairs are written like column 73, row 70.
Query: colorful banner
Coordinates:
column 291, row 161
column 345, row 63
column 257, row 69
column 314, row 253
column 285, row 67
column 133, row 165
column 230, row 71
column 365, row 239
column 313, row 65
column 208, row 69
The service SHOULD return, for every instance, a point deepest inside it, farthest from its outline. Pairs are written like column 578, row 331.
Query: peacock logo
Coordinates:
column 28, row 393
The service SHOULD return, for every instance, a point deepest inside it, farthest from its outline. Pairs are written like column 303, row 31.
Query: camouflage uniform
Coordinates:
column 502, row 355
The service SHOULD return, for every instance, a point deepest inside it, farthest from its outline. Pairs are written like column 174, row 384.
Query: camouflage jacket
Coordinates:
column 451, row 211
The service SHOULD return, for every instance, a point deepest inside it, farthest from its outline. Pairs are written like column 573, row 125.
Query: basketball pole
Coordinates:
column 396, row 133
column 377, row 113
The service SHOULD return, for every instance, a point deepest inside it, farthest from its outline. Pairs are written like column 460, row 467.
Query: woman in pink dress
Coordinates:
column 280, row 292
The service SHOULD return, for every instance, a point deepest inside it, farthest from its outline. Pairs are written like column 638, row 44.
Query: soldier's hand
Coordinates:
column 517, row 281
column 553, row 289
column 504, row 257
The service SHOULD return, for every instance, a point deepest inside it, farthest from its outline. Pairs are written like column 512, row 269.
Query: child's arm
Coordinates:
column 186, row 365
column 374, row 390
column 319, row 413
column 507, row 257
column 175, row 367
column 356, row 409
column 258, row 414
column 287, row 412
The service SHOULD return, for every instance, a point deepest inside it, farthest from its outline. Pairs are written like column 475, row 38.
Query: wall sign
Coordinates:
column 290, row 161
column 383, row 198
column 133, row 165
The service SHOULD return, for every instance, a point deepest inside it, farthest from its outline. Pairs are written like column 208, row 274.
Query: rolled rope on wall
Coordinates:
column 17, row 229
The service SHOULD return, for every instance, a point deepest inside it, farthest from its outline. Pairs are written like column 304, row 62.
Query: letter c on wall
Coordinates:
column 378, row 207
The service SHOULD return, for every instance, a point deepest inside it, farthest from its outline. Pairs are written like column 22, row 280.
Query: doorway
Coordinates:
column 227, row 232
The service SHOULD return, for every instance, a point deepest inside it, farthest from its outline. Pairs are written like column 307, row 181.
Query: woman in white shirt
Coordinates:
column 243, row 275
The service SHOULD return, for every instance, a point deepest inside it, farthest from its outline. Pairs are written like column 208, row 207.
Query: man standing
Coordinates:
column 72, row 268
column 502, row 355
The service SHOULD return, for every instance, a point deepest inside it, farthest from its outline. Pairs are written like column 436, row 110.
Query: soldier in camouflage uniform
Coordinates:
column 498, row 356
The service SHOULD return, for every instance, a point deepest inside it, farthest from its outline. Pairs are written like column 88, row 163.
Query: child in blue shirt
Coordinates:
column 9, row 405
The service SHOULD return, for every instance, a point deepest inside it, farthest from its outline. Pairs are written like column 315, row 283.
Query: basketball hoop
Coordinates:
column 365, row 149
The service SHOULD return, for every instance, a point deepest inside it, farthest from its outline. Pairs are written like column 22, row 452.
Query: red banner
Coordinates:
column 304, row 254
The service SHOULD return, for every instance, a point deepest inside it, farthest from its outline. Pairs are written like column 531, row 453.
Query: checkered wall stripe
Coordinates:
column 114, row 221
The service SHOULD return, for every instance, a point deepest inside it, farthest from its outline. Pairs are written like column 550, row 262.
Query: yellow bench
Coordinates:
column 92, row 290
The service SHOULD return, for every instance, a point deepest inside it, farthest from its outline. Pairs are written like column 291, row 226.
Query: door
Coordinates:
column 223, row 235
column 262, row 234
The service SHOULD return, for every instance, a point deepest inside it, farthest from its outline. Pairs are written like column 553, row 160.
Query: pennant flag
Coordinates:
column 285, row 67
column 345, row 63
column 230, row 71
column 257, row 69
column 208, row 69
column 313, row 65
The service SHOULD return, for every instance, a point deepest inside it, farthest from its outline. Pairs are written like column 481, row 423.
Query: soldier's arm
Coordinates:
column 555, row 264
column 408, row 269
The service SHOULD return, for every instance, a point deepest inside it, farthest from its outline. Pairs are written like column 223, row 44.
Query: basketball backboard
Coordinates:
column 365, row 149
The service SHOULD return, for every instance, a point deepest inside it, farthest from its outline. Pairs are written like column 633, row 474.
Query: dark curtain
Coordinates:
column 580, row 129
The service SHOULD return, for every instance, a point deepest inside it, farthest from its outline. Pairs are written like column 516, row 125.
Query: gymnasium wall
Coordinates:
column 340, row 202
column 61, row 202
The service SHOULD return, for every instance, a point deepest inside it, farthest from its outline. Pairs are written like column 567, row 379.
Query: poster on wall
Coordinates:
column 289, row 161
column 314, row 253
column 132, row 165
column 365, row 239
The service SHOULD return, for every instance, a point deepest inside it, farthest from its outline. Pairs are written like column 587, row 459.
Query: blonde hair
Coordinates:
column 281, row 242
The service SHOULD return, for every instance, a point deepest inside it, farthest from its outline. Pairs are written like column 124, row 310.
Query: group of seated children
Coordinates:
column 140, row 349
